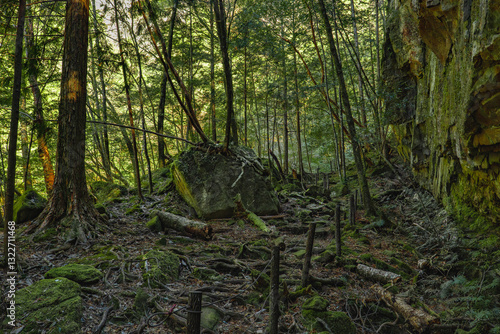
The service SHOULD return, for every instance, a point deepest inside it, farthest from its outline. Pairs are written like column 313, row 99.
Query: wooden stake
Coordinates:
column 274, row 309
column 307, row 258
column 352, row 210
column 337, row 231
column 194, row 312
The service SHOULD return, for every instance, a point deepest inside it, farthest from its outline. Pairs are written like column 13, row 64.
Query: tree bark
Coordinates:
column 39, row 124
column 377, row 275
column 419, row 319
column 70, row 204
column 220, row 17
column 135, row 161
column 14, row 123
column 184, row 225
column 367, row 199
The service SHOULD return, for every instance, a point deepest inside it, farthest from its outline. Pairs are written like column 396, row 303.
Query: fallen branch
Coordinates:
column 184, row 225
column 418, row 319
column 378, row 275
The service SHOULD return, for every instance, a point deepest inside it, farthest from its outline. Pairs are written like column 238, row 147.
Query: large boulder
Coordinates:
column 50, row 306
column 28, row 206
column 209, row 182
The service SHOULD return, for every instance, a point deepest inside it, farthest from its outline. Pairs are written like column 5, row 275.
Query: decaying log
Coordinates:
column 417, row 318
column 377, row 275
column 184, row 225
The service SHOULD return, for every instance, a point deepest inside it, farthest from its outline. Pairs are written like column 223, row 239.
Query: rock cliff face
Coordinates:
column 442, row 71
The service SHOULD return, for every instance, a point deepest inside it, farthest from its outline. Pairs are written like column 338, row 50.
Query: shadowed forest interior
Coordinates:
column 316, row 166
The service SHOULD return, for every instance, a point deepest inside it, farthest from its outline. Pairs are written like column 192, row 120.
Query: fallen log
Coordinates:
column 417, row 318
column 184, row 225
column 377, row 275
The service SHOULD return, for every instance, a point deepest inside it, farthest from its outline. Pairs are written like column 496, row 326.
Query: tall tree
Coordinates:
column 129, row 105
column 220, row 18
column 367, row 200
column 14, row 124
column 70, row 204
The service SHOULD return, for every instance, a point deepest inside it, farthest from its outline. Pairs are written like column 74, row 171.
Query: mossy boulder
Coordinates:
column 80, row 273
column 337, row 322
column 210, row 318
column 53, row 305
column 209, row 182
column 28, row 206
column 107, row 192
column 162, row 268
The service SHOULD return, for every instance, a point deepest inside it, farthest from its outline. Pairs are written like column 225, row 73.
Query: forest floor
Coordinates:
column 442, row 270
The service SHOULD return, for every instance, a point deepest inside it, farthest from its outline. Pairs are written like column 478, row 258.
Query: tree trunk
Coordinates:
column 14, row 123
column 367, row 200
column 161, row 113
column 184, row 225
column 100, row 61
column 358, row 63
column 129, row 105
column 220, row 18
column 212, row 73
column 297, row 104
column 39, row 124
column 70, row 204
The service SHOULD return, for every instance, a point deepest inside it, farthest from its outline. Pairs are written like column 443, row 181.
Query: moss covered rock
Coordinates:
column 161, row 268
column 53, row 305
column 28, row 206
column 80, row 273
column 107, row 192
column 209, row 182
column 210, row 318
column 337, row 322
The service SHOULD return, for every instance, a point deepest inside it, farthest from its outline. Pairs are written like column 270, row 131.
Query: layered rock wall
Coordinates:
column 442, row 71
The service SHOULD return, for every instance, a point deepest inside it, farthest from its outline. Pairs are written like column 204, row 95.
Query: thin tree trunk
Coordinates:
column 245, row 91
column 358, row 64
column 231, row 135
column 100, row 61
column 14, row 123
column 367, row 200
column 297, row 103
column 39, row 124
column 161, row 113
column 212, row 73
column 129, row 105
column 141, row 100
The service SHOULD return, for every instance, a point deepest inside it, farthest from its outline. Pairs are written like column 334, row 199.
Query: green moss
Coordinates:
column 210, row 318
column 28, row 206
column 206, row 274
column 154, row 224
column 141, row 302
column 47, row 234
column 80, row 273
column 262, row 282
column 133, row 209
column 52, row 304
column 337, row 322
column 108, row 192
column 316, row 303
column 161, row 268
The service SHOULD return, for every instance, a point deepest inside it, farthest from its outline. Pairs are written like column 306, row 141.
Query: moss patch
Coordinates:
column 161, row 268
column 80, row 273
column 50, row 304
column 337, row 322
column 28, row 206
